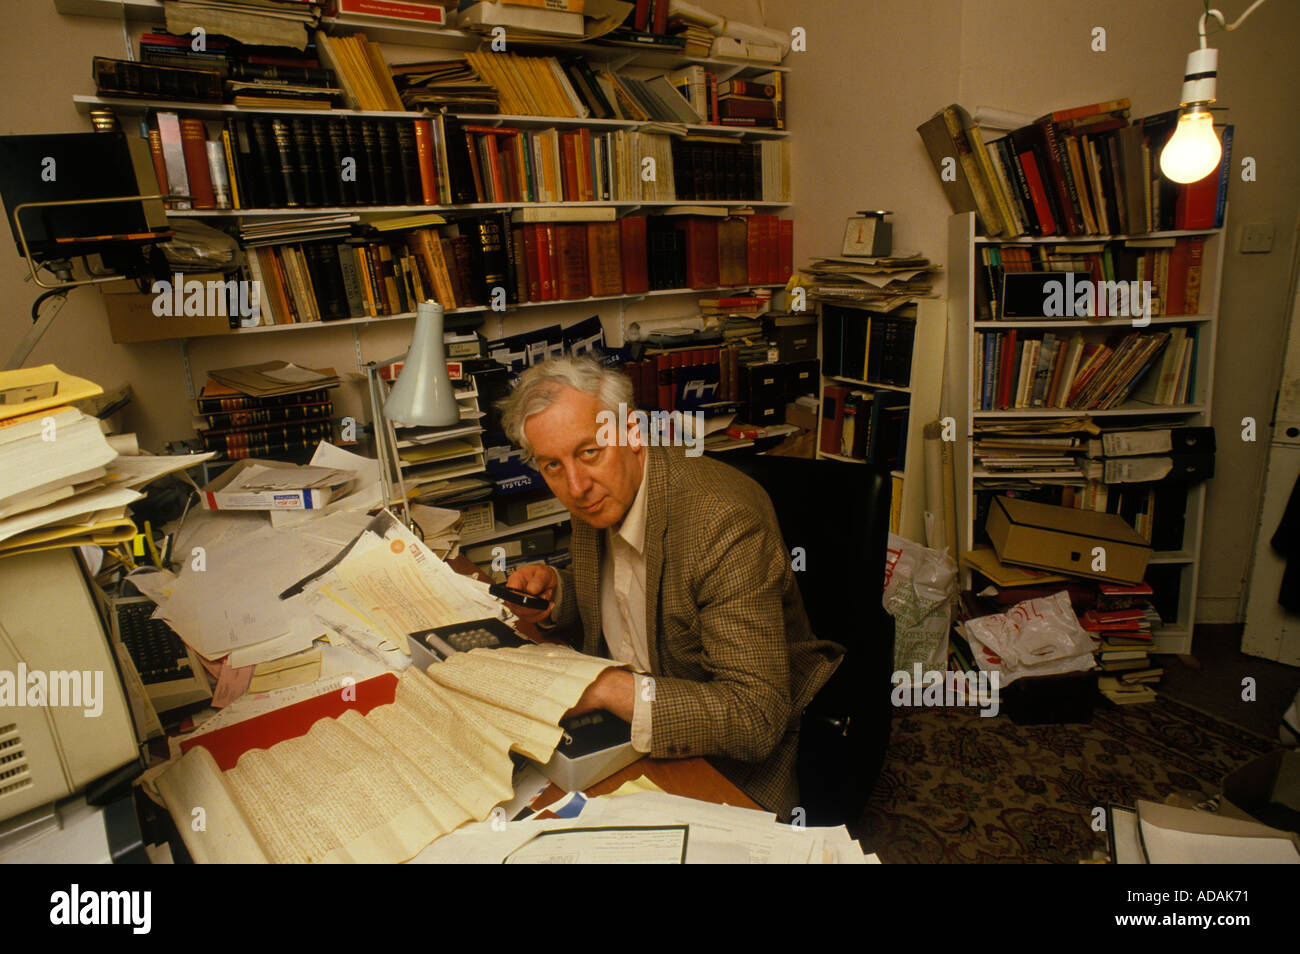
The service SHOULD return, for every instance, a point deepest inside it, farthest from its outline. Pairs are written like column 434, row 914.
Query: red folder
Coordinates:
column 264, row 731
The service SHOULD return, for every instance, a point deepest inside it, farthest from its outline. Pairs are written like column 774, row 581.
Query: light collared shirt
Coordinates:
column 622, row 605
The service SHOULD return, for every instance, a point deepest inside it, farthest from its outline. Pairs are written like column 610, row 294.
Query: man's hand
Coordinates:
column 614, row 691
column 538, row 580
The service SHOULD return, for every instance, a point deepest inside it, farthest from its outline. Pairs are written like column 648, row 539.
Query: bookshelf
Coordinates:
column 921, row 395
column 1178, row 566
column 440, row 37
column 315, row 151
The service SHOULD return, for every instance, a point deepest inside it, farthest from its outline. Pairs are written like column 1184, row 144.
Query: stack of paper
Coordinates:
column 640, row 826
column 1165, row 834
column 61, row 481
column 879, row 283
column 253, row 600
column 271, row 378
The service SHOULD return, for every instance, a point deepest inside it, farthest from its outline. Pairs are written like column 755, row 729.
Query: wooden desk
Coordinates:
column 691, row 778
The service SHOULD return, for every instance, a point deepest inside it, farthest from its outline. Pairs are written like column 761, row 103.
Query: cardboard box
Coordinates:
column 1060, row 538
column 1266, row 790
column 1057, row 699
column 215, row 498
column 131, row 315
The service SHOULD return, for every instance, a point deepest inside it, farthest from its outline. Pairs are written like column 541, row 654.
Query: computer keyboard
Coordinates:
column 158, row 653
column 169, row 671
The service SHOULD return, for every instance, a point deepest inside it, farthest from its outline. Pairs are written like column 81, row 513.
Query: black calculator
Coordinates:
column 443, row 641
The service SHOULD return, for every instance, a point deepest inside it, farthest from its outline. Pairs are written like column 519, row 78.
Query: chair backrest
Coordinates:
column 837, row 514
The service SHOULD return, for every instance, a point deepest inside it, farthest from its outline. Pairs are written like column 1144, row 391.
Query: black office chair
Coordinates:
column 839, row 514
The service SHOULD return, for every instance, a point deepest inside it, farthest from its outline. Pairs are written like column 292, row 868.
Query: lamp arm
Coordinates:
column 1223, row 23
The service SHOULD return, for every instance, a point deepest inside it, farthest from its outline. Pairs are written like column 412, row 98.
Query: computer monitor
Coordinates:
column 79, row 166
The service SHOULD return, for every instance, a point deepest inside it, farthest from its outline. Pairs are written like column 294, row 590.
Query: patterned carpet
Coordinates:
column 959, row 788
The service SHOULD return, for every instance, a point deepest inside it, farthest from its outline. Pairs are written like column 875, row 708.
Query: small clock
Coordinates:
column 868, row 235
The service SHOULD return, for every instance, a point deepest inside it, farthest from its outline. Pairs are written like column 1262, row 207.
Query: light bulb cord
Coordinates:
column 1223, row 23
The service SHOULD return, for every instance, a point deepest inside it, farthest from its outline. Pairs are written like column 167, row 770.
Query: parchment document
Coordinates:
column 379, row 788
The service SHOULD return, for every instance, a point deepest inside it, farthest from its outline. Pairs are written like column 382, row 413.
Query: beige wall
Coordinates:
column 871, row 75
column 874, row 70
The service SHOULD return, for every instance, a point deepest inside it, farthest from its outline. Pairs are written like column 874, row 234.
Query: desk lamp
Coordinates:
column 422, row 395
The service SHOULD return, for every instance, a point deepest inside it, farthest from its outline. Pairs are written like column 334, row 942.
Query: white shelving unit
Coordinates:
column 925, row 389
column 964, row 258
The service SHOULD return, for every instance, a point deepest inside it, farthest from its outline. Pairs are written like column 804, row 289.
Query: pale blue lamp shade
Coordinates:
column 422, row 396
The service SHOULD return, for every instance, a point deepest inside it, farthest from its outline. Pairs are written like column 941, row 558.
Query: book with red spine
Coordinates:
column 585, row 181
column 1192, row 286
column 1023, row 143
column 785, row 258
column 424, row 153
column 664, row 381
column 159, row 163
column 194, row 143
column 833, row 396
column 534, row 265
column 649, row 383
column 546, row 260
column 754, row 243
column 574, row 276
column 604, row 260
column 1060, row 179
column 771, row 248
column 632, row 247
column 569, row 166
column 1092, row 109
column 405, row 10
column 1176, row 284
column 701, row 251
column 1005, row 373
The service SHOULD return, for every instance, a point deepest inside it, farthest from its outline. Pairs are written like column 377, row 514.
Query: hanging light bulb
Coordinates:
column 1193, row 151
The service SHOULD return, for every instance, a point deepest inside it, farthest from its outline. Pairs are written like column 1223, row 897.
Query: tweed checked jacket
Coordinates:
column 729, row 643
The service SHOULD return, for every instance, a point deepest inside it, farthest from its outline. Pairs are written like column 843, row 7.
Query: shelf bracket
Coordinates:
column 356, row 347
column 185, row 365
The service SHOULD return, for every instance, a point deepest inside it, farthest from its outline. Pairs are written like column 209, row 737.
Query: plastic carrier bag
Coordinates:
column 920, row 591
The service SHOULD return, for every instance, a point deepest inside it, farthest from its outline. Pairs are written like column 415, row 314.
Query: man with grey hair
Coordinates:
column 679, row 569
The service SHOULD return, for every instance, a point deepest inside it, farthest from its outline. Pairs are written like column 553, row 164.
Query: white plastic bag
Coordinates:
column 1033, row 638
column 920, row 590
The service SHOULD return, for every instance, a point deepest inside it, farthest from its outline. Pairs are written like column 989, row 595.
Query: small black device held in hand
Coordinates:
column 518, row 597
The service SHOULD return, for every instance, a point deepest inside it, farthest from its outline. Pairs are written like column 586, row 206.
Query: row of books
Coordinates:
column 271, row 161
column 504, row 164
column 1189, row 457
column 866, row 346
column 281, row 426
column 483, row 81
column 461, row 265
column 682, row 379
column 1016, row 371
column 1081, row 171
column 569, row 88
column 693, row 31
column 865, row 425
column 1173, row 266
column 171, row 67
column 758, row 101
